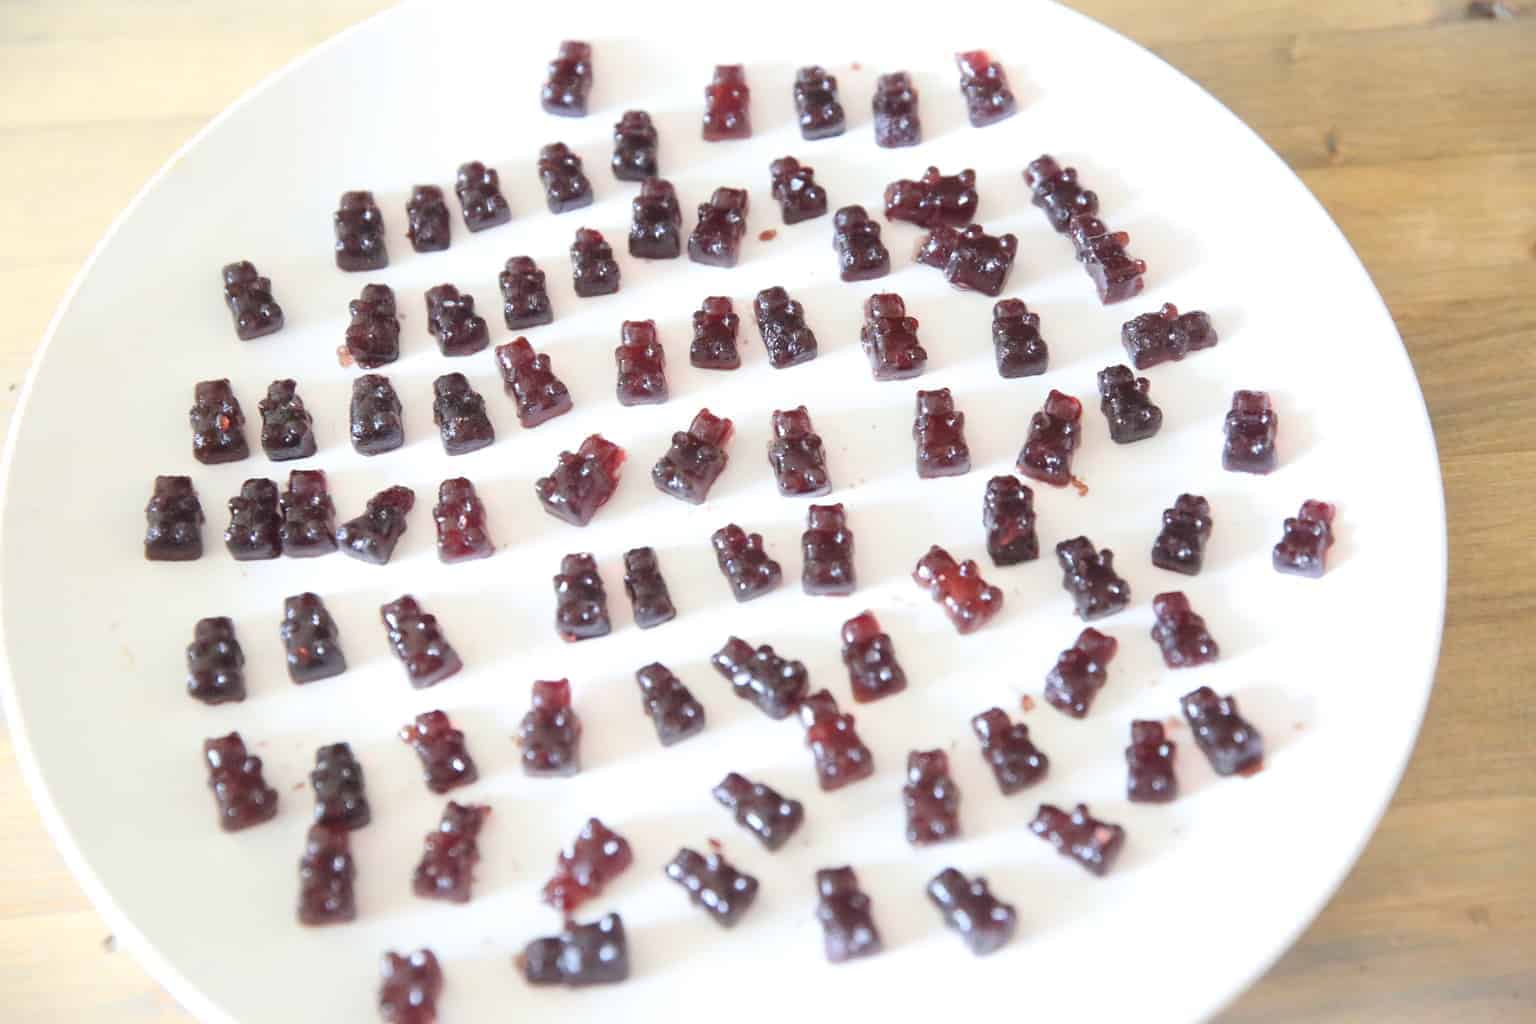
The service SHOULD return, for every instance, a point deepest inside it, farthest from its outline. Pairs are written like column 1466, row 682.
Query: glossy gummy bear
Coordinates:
column 641, row 361
column 1165, row 336
column 727, row 105
column 310, row 644
column 428, row 222
column 1303, row 550
column 341, row 800
column 695, row 459
column 759, row 809
column 1058, row 193
column 847, row 926
column 243, row 797
column 459, row 515
column 1092, row 843
column 581, row 482
column 459, row 412
column 249, row 298
column 840, row 756
column 796, row 455
column 479, row 191
column 970, row 259
column 933, row 199
column 889, row 338
column 1054, row 434
column 967, row 599
column 529, row 380
column 895, row 111
column 939, row 430
column 674, row 711
column 656, row 222
column 419, row 643
column 524, row 294
column 451, row 851
column 744, row 562
column 1180, row 545
column 931, row 798
column 715, row 328
column 596, row 857
column 1251, row 426
column 255, row 522
column 568, row 80
column 1123, row 398
column 287, row 430
column 1080, row 672
column 1008, row 515
column 968, row 907
column 781, row 322
column 1015, row 761
column 716, row 239
column 713, row 885
column 1230, row 744
column 445, row 760
column 565, row 184
column 647, row 590
column 581, row 603
column 774, row 685
column 594, row 271
column 581, row 955
column 309, row 515
column 816, row 107
column 409, row 988
column 218, row 425
column 634, row 147
column 359, row 228
column 173, row 530
column 326, row 873
column 215, row 663
column 452, row 320
column 1149, row 765
column 827, row 550
column 376, row 423
column 870, row 657
column 984, row 85
column 794, row 187
column 1114, row 273
column 1181, row 633
column 861, row 255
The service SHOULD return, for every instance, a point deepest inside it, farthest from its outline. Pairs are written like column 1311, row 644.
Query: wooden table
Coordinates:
column 1413, row 122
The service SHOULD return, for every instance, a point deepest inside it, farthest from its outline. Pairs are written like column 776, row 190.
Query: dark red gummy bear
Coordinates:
column 673, row 710
column 419, row 643
column 565, row 184
column 641, row 363
column 1102, row 253
column 459, row 412
column 340, row 798
column 376, row 424
column 796, row 454
column 656, row 224
column 243, row 796
column 249, row 298
column 218, row 425
column 775, row 685
column 1165, row 336
column 1180, row 546
column 446, row 870
column 727, row 105
column 873, row 671
column 255, row 522
column 1092, row 843
column 581, row 483
column 529, row 380
column 1058, row 193
column 816, row 107
column 1124, row 401
column 759, row 809
column 647, row 589
column 971, row 259
column 827, row 548
column 1181, row 633
column 716, row 240
column 309, row 516
column 596, row 858
column 1222, row 734
column 326, row 872
column 895, row 111
column 445, row 760
column 460, row 517
column 794, row 187
column 841, row 757
column 524, row 294
column 889, row 338
column 428, row 223
column 373, row 333
column 968, row 906
column 1054, row 434
column 634, row 147
column 215, row 663
column 359, row 230
column 1303, row 550
column 581, row 955
column 173, row 530
column 550, row 733
column 1149, row 765
column 985, row 87
column 939, row 430
column 372, row 536
column 931, row 798
column 1251, row 426
column 1016, row 761
column 715, row 327
column 310, row 645
column 568, row 80
column 933, row 199
column 594, row 271
column 452, row 320
column 409, row 988
column 861, row 255
column 847, row 926
column 581, row 604
column 695, row 460
column 968, row 600
column 1080, row 672
column 781, row 321
column 1008, row 514
column 479, row 191
column 744, row 562
column 713, row 885
column 287, row 430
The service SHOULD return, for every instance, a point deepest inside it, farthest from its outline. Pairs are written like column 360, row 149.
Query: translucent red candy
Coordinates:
column 1181, row 633
column 774, row 685
column 581, row 955
column 1015, row 760
column 310, row 644
column 873, row 671
column 582, row 482
column 744, row 562
column 781, row 321
column 1303, row 550
column 971, row 259
column 581, row 604
column 816, row 106
column 1251, row 426
column 459, row 412
column 967, row 599
column 656, row 227
column 760, row 809
column 359, row 230
column 446, row 870
column 1180, row 546
column 713, row 885
column 594, row 271
column 847, row 926
column 215, row 663
column 409, row 988
column 1149, row 765
column 861, row 255
column 1008, row 514
column 479, row 191
column 243, row 796
column 794, row 187
column 1054, row 434
column 568, row 80
column 796, row 454
column 529, row 380
column 695, row 460
column 596, row 858
column 1224, row 736
column 249, row 298
column 895, row 111
column 933, row 199
column 1124, row 401
column 1058, row 192
column 1165, row 336
column 452, row 320
column 565, row 185
column 377, row 426
column 445, row 760
column 340, row 799
column 460, row 517
column 647, row 589
column 173, row 521
column 309, row 516
column 255, row 522
column 419, row 643
column 727, row 105
column 287, row 430
column 985, row 87
column 889, row 338
column 939, row 430
column 674, row 711
column 1080, row 672
column 524, row 295
column 968, row 907
column 827, row 547
column 218, row 425
column 634, row 147
column 326, row 872
column 716, row 240
column 641, row 363
column 428, row 223
column 931, row 798
column 715, row 326
column 1092, row 843
column 550, row 733
column 1102, row 253
column 841, row 757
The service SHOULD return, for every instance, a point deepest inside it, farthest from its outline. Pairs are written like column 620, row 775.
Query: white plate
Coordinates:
column 1335, row 673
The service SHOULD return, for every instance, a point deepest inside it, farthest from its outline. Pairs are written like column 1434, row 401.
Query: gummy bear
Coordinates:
column 931, row 798
column 634, row 147
column 1123, row 399
column 215, row 663
column 459, row 412
column 249, row 298
column 255, row 522
column 550, row 733
column 1180, row 546
column 873, row 671
column 889, row 338
column 841, row 757
column 656, row 228
column 373, row 331
column 1251, row 426
column 529, row 380
column 309, row 640
column 647, row 589
column 796, row 454
column 716, row 240
column 1092, row 843
column 1080, row 672
column 359, row 230
column 377, row 426
column 861, row 255
column 581, row 482
column 816, row 106
column 641, row 362
column 933, row 199
column 794, row 187
column 1054, row 434
column 744, row 562
column 695, row 460
column 445, row 761
column 479, row 191
column 581, row 604
column 939, row 430
column 565, row 185
column 218, row 425
column 727, row 105
column 827, row 547
column 1303, row 551
column 715, row 326
column 1089, row 576
column 895, row 111
column 759, row 809
column 173, row 521
column 781, row 321
column 1015, row 760
column 968, row 600
column 524, row 295
column 1181, row 633
column 1165, row 336
column 568, row 80
column 460, row 517
column 419, row 643
column 428, row 222
column 774, row 684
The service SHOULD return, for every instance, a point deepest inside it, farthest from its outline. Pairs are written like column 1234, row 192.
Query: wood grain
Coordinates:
column 1414, row 125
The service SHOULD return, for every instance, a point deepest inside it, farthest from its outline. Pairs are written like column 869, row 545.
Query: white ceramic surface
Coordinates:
column 1335, row 673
